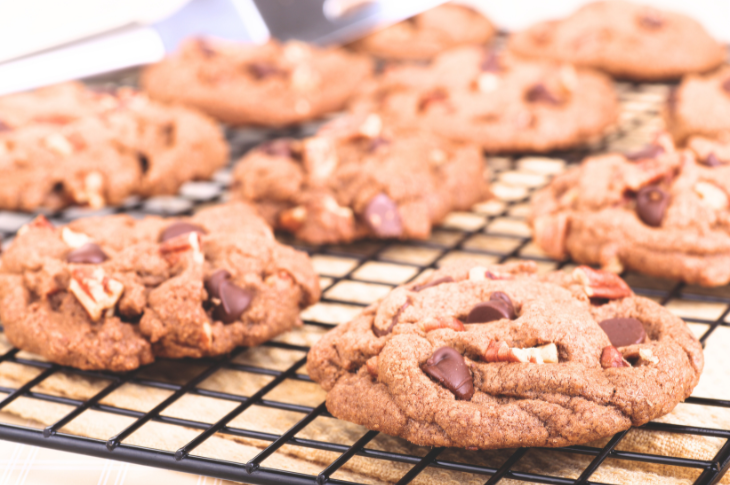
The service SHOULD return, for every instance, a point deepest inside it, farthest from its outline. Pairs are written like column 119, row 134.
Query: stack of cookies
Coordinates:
column 473, row 356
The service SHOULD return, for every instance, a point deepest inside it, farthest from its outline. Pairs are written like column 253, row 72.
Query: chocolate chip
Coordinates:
column 623, row 331
column 649, row 151
column 490, row 63
column 539, row 93
column 206, row 48
column 421, row 287
column 277, row 148
column 447, row 366
column 672, row 99
column 89, row 253
column 651, row 19
column 651, row 204
column 501, row 296
column 262, row 70
column 234, row 301
column 726, row 85
column 711, row 160
column 489, row 311
column 144, row 162
column 179, row 228
column 5, row 127
column 212, row 285
column 376, row 143
column 382, row 217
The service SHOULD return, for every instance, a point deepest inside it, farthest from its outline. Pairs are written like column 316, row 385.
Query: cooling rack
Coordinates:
column 352, row 276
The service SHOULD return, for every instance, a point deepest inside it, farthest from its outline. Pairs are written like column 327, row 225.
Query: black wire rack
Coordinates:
column 467, row 234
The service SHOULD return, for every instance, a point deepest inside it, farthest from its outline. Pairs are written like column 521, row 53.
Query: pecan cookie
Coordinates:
column 658, row 211
column 114, row 292
column 270, row 85
column 624, row 39
column 700, row 108
column 498, row 357
column 357, row 178
column 68, row 144
column 495, row 100
column 428, row 34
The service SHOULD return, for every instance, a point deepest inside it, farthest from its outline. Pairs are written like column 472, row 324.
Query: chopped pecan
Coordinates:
column 640, row 356
column 39, row 222
column 550, row 232
column 442, row 322
column 92, row 191
column 372, row 366
column 173, row 249
column 611, row 357
column 501, row 352
column 293, row 219
column 94, row 290
column 74, row 239
column 601, row 284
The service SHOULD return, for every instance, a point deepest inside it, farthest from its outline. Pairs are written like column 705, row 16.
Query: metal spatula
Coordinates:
column 323, row 22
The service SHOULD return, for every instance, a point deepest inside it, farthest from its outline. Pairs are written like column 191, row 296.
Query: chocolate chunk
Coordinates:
column 649, row 151
column 651, row 19
column 234, row 301
column 539, row 93
column 179, row 228
column 5, row 127
column 726, row 85
column 144, row 162
column 262, row 70
column 277, row 148
column 623, row 331
column 711, row 160
column 89, row 253
column 651, row 204
column 382, row 217
column 490, row 62
column 445, row 279
column 376, row 143
column 447, row 366
column 212, row 285
column 393, row 322
column 489, row 311
column 206, row 48
column 500, row 296
column 672, row 99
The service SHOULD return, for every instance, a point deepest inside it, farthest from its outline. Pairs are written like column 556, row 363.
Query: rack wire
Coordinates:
column 494, row 232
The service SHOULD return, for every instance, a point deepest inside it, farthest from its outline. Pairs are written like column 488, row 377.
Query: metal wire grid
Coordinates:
column 447, row 242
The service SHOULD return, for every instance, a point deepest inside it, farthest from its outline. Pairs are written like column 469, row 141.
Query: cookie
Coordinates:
column 700, row 106
column 270, row 85
column 359, row 179
column 70, row 145
column 428, row 34
column 498, row 357
column 624, row 39
column 497, row 101
column 658, row 211
column 114, row 292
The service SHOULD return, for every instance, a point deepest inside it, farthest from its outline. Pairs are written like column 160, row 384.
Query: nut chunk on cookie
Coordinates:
column 114, row 292
column 245, row 84
column 518, row 379
column 428, row 34
column 657, row 211
column 73, row 145
column 498, row 101
column 624, row 39
column 358, row 178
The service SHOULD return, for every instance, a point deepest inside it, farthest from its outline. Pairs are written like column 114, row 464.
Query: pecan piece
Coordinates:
column 601, row 284
column 39, row 222
column 442, row 322
column 501, row 352
column 550, row 233
column 372, row 366
column 611, row 357
column 95, row 291
column 173, row 249
column 293, row 219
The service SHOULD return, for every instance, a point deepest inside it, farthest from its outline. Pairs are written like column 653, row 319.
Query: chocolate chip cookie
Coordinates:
column 428, row 34
column 498, row 357
column 625, row 39
column 271, row 85
column 700, row 107
column 68, row 144
column 657, row 211
column 114, row 292
column 498, row 101
column 358, row 178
